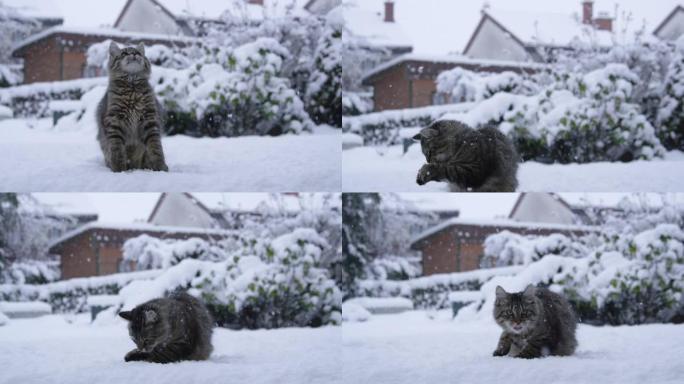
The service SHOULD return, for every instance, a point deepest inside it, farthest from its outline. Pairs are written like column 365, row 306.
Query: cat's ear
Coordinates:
column 114, row 49
column 128, row 315
column 150, row 316
column 500, row 293
column 529, row 291
column 141, row 48
column 429, row 133
column 417, row 137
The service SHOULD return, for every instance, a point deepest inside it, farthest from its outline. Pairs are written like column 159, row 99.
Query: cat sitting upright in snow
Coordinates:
column 129, row 115
column 535, row 322
column 476, row 160
column 170, row 329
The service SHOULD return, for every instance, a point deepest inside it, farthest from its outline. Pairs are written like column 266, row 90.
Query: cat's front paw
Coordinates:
column 500, row 352
column 135, row 355
column 159, row 166
column 425, row 174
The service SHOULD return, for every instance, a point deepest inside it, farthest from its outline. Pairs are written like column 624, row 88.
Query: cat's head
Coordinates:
column 434, row 137
column 144, row 325
column 517, row 312
column 128, row 61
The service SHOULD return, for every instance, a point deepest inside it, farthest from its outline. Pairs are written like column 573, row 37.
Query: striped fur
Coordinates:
column 535, row 323
column 129, row 115
column 477, row 160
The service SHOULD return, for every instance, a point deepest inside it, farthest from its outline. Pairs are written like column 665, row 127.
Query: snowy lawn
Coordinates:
column 411, row 348
column 51, row 350
column 34, row 158
column 386, row 169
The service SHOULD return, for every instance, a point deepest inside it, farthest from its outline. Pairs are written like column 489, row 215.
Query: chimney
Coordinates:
column 257, row 2
column 389, row 11
column 587, row 11
column 604, row 22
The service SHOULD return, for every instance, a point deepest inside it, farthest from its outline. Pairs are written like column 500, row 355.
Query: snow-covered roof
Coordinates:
column 39, row 9
column 500, row 223
column 450, row 59
column 212, row 9
column 106, row 32
column 146, row 227
column 365, row 19
column 549, row 29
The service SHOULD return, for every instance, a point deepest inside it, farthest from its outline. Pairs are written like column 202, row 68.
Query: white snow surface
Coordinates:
column 69, row 159
column 427, row 347
column 21, row 307
column 371, row 303
column 387, row 169
column 67, row 349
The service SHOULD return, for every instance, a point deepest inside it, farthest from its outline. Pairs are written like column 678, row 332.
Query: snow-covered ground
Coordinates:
column 51, row 350
column 387, row 169
column 34, row 157
column 412, row 348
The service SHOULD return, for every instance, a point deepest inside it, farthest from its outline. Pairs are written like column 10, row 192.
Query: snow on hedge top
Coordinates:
column 371, row 303
column 365, row 19
column 23, row 307
column 6, row 94
column 550, row 29
column 503, row 223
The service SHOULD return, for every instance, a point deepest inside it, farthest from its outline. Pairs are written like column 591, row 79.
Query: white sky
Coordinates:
column 492, row 205
column 445, row 26
column 130, row 207
column 97, row 13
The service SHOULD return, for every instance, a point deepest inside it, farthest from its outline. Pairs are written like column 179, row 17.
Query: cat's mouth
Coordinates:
column 517, row 327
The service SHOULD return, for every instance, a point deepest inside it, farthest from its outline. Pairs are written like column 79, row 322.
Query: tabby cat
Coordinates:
column 477, row 160
column 169, row 329
column 129, row 115
column 535, row 322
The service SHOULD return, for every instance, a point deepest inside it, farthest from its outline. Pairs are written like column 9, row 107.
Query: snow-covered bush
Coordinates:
column 506, row 248
column 577, row 118
column 462, row 85
column 324, row 90
column 671, row 112
column 147, row 252
column 30, row 272
column 356, row 103
column 250, row 96
column 634, row 274
column 395, row 268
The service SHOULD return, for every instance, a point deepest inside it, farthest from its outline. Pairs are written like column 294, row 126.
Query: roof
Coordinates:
column 549, row 29
column 554, row 195
column 677, row 9
column 500, row 223
column 103, row 32
column 141, row 227
column 365, row 19
column 449, row 59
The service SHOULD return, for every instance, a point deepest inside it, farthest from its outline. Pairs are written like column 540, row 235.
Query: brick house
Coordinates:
column 457, row 244
column 94, row 249
column 59, row 53
column 502, row 41
column 409, row 81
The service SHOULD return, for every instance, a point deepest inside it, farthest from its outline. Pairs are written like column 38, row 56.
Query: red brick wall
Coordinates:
column 77, row 258
column 391, row 91
column 41, row 62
